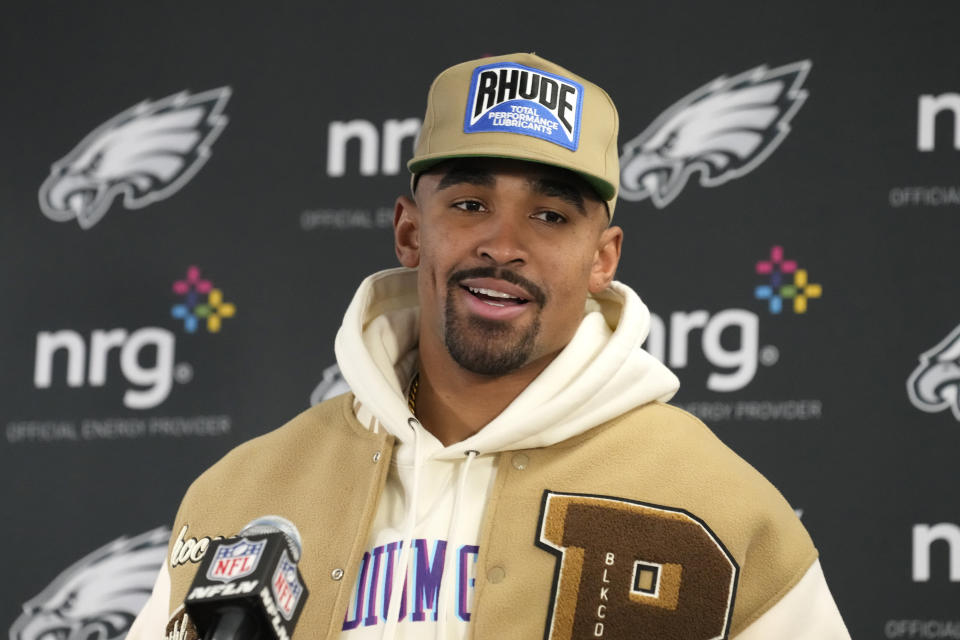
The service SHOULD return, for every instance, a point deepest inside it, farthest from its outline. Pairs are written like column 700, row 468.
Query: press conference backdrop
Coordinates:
column 191, row 195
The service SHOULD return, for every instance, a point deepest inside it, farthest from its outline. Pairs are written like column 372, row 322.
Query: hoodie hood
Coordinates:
column 602, row 372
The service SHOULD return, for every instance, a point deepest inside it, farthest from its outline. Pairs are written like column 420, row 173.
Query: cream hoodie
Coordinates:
column 416, row 577
column 435, row 495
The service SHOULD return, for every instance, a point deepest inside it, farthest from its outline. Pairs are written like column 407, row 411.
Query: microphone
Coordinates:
column 249, row 587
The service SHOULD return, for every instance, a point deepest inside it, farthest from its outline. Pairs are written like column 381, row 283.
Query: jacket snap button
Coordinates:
column 336, row 574
column 496, row 575
column 520, row 461
column 376, row 457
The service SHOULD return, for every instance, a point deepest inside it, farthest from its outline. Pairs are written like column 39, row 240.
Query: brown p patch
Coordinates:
column 627, row 569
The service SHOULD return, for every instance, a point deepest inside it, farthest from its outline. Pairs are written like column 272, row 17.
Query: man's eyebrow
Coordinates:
column 560, row 189
column 543, row 185
column 466, row 174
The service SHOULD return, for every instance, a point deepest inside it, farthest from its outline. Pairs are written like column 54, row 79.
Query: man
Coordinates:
column 505, row 466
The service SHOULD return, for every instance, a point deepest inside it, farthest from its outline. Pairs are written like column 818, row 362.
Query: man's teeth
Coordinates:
column 491, row 292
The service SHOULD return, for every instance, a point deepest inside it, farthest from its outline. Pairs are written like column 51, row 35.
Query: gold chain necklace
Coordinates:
column 412, row 394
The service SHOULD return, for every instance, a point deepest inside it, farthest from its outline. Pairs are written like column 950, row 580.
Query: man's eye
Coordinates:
column 550, row 216
column 469, row 205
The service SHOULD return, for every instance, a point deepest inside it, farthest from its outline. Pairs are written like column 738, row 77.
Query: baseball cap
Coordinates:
column 524, row 107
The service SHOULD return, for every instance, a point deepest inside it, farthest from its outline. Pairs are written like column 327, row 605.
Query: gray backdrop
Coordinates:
column 266, row 191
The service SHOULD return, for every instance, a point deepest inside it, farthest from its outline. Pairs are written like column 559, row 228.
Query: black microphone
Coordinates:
column 249, row 587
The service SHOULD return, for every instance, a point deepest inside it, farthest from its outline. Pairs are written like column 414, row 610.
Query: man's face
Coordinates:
column 507, row 252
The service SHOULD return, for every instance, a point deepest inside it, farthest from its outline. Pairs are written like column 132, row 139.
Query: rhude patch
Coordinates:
column 509, row 97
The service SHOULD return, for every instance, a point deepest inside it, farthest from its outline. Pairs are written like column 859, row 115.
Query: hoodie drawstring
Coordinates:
column 444, row 597
column 400, row 574
column 401, row 568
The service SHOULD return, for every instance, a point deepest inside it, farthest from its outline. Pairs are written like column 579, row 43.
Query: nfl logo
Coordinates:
column 232, row 561
column 286, row 587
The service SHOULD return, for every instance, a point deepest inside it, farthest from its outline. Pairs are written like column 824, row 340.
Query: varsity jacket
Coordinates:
column 591, row 519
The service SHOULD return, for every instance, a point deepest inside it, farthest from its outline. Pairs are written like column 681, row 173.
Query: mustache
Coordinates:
column 512, row 277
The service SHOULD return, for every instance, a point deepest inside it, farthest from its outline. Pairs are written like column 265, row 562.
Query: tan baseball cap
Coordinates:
column 524, row 107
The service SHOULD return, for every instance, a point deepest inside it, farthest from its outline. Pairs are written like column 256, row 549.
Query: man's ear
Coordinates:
column 406, row 231
column 606, row 259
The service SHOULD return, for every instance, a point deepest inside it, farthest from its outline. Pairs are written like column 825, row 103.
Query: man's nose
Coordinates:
column 502, row 241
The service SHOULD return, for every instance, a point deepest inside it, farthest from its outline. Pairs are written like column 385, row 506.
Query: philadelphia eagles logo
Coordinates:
column 147, row 153
column 725, row 129
column 98, row 596
column 935, row 385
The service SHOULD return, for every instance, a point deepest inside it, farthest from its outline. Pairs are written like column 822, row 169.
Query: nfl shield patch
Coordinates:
column 286, row 586
column 232, row 561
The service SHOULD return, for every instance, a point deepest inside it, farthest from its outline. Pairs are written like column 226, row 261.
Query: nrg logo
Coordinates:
column 672, row 346
column 379, row 152
column 924, row 537
column 928, row 108
column 736, row 365
column 150, row 378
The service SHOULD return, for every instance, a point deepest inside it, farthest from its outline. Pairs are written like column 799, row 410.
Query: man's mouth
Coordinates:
column 495, row 298
column 497, row 295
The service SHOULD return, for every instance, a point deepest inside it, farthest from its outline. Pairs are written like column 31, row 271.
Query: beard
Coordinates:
column 489, row 347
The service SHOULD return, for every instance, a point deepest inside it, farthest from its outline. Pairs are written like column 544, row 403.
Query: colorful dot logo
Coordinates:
column 193, row 308
column 800, row 290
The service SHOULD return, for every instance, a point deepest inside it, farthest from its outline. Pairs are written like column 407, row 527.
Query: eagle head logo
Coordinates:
column 935, row 384
column 99, row 595
column 147, row 153
column 724, row 130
